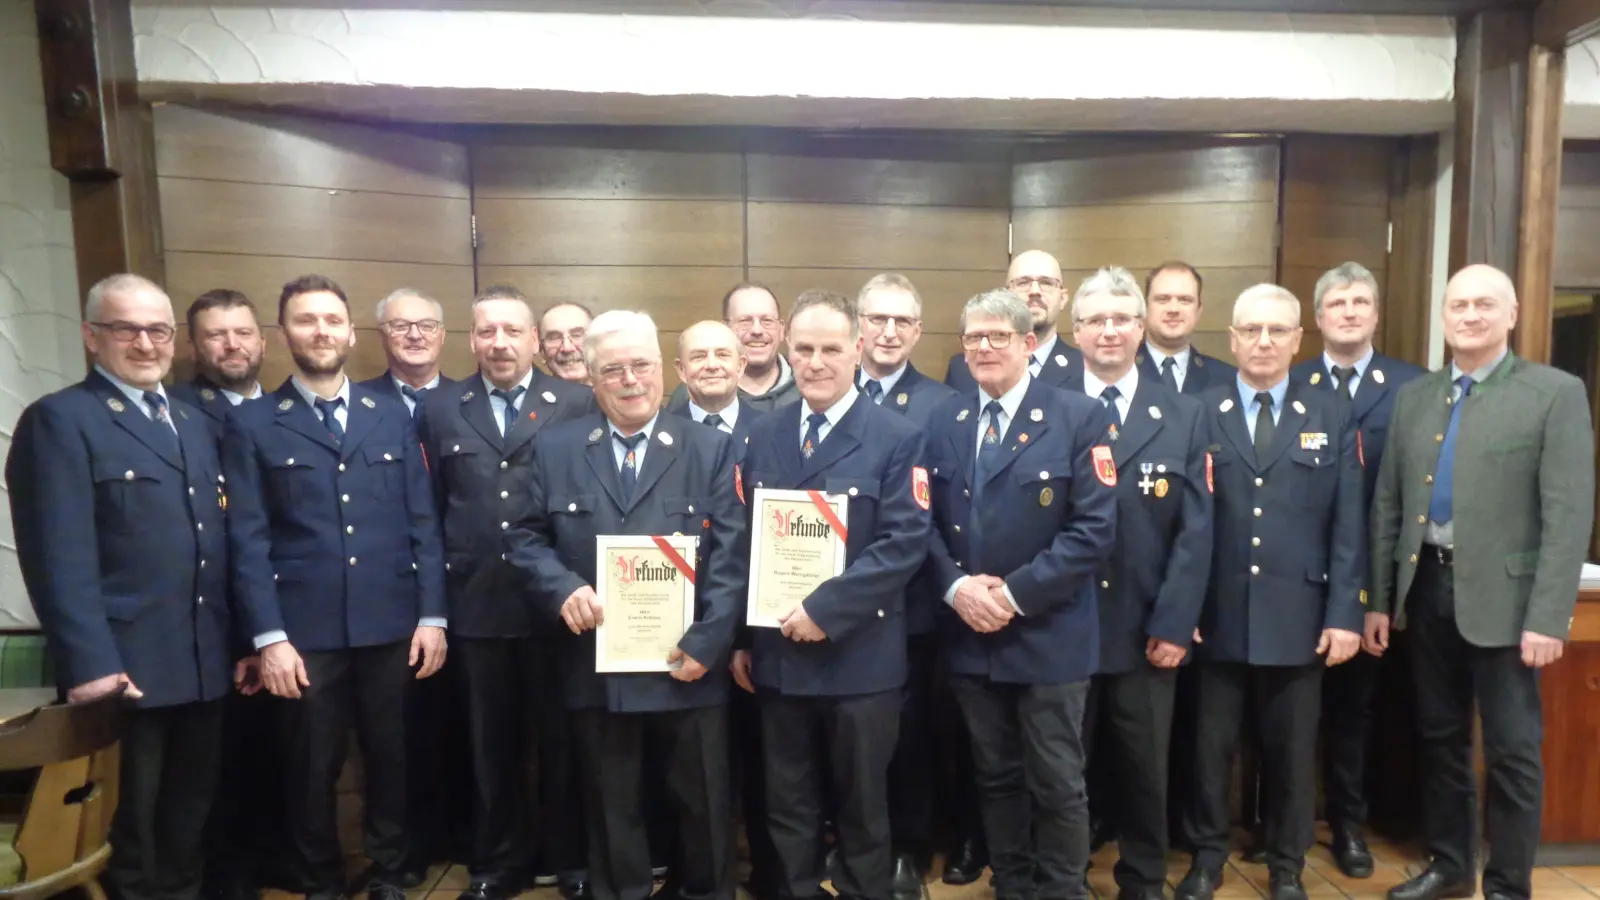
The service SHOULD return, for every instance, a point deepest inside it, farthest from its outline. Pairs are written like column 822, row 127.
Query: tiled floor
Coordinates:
column 1242, row 882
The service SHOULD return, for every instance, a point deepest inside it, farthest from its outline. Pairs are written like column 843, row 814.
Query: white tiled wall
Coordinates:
column 39, row 346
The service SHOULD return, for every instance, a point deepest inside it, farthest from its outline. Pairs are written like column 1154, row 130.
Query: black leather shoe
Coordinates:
column 907, row 884
column 1255, row 852
column 576, row 889
column 1433, row 885
column 1286, row 886
column 966, row 865
column 1199, row 884
column 487, row 890
column 385, row 890
column 1350, row 853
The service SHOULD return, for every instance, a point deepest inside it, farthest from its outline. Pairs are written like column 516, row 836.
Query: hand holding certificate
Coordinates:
column 798, row 542
column 645, row 586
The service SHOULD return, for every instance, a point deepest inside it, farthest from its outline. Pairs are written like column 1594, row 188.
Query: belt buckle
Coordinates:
column 1445, row 555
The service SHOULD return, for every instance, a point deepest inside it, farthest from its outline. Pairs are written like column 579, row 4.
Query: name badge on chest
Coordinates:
column 1313, row 440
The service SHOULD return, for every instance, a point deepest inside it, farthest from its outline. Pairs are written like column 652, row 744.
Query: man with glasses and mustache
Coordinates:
column 561, row 335
column 1172, row 294
column 1034, row 276
column 412, row 326
column 1286, row 592
column 479, row 435
column 117, row 506
column 830, row 681
column 891, row 320
column 244, row 833
column 1154, row 584
column 634, row 469
column 339, row 572
column 1025, row 513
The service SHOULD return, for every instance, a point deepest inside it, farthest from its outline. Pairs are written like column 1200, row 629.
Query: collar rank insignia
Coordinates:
column 115, row 404
column 1377, row 375
column 901, row 399
column 367, row 402
column 1226, row 405
column 594, row 435
column 285, row 405
column 1299, row 407
column 960, row 416
column 1316, row 378
column 1036, row 415
column 1155, row 412
column 207, row 394
column 548, row 397
column 467, row 396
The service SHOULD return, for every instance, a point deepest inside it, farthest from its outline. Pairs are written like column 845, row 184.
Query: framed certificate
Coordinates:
column 797, row 542
column 646, row 584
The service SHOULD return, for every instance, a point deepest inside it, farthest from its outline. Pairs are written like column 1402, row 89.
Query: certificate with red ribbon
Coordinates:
column 797, row 542
column 646, row 584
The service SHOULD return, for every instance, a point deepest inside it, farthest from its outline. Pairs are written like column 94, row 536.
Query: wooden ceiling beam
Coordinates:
column 1559, row 24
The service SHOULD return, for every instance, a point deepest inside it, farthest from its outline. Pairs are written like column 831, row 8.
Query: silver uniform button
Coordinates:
column 388, row 458
column 1255, row 570
column 344, row 498
column 1260, row 482
column 1255, row 542
column 572, row 507
column 128, row 475
column 199, row 526
column 1258, row 512
column 504, row 464
column 880, row 613
column 202, row 564
column 352, row 560
column 341, row 467
column 455, row 448
column 191, row 492
column 349, row 529
column 199, row 599
column 853, row 492
column 504, row 525
column 1105, row 584
column 691, row 507
column 1044, row 475
column 504, row 495
column 958, row 529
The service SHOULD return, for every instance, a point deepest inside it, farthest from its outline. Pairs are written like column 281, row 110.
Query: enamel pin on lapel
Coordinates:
column 207, row 394
column 1299, row 407
column 901, row 399
column 467, row 396
column 594, row 435
column 285, row 405
column 1377, row 375
column 115, row 404
column 1226, row 405
column 1316, row 378
column 1061, row 359
column 1036, row 415
column 666, row 439
column 548, row 397
column 367, row 402
column 961, row 416
column 1155, row 412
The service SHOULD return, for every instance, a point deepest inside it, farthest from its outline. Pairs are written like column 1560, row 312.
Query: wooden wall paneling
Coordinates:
column 1408, row 295
column 1336, row 201
column 807, row 235
column 1577, row 258
column 944, row 291
column 266, row 148
column 1491, row 84
column 610, row 232
column 261, row 278
column 1145, row 170
column 1572, row 720
column 277, row 220
column 1207, row 234
column 675, row 296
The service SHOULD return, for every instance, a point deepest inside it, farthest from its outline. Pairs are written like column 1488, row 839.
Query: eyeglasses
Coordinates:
column 998, row 340
column 1118, row 321
column 898, row 323
column 1022, row 283
column 398, row 327
column 128, row 333
column 745, row 323
column 556, row 338
column 1276, row 334
column 641, row 369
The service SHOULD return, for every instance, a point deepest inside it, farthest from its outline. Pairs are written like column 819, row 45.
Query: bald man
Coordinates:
column 1035, row 276
column 1480, row 527
column 710, row 363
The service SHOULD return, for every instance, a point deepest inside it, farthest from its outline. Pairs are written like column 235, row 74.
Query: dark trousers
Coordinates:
column 170, row 759
column 244, row 836
column 1346, row 727
column 364, row 687
column 514, row 716
column 744, row 725
column 1448, row 673
column 1181, row 786
column 1128, row 726
column 693, row 748
column 1027, row 747
column 1286, row 704
column 439, row 767
column 821, row 749
column 931, row 775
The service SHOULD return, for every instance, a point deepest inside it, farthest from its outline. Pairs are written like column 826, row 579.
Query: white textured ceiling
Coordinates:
column 833, row 64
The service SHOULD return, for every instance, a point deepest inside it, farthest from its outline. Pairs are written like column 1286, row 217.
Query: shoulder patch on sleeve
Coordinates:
column 738, row 481
column 920, row 491
column 1105, row 467
column 1211, row 486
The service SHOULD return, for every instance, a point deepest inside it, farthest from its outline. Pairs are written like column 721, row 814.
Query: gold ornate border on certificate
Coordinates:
column 673, row 599
column 782, row 577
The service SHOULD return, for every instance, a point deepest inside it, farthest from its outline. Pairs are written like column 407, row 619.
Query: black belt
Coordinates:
column 1445, row 556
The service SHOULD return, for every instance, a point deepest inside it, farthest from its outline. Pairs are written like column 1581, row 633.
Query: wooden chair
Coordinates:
column 60, row 838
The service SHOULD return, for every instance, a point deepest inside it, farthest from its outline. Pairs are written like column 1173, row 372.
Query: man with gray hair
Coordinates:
column 1286, row 589
column 1346, row 303
column 412, row 325
column 1152, row 587
column 1025, row 512
column 117, row 505
column 633, row 469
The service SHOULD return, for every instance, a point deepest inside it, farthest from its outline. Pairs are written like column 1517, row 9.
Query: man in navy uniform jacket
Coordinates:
column 1174, row 304
column 1035, row 276
column 227, row 347
column 1153, row 587
column 478, row 434
column 412, row 325
column 340, row 576
column 1025, row 512
column 1287, row 576
column 829, row 680
column 1346, row 304
column 117, row 505
column 633, row 469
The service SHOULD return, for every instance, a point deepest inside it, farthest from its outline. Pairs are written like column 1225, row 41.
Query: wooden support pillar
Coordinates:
column 100, row 136
column 1541, row 190
column 1492, row 50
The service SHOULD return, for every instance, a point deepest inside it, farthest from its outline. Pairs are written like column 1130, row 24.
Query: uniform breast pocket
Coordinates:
column 1161, row 481
column 458, row 461
column 862, row 493
column 1042, row 482
column 387, row 464
column 572, row 515
column 292, row 481
column 122, row 490
column 1315, row 475
column 686, row 515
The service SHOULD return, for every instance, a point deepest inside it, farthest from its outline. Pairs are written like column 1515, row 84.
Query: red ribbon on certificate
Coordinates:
column 674, row 557
column 827, row 513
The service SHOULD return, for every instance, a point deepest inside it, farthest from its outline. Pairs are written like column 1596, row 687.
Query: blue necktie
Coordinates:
column 874, row 390
column 1169, row 373
column 813, row 439
column 415, row 395
column 158, row 412
column 1109, row 398
column 1441, row 506
column 327, row 408
column 508, row 415
column 982, row 465
column 714, row 420
column 630, row 463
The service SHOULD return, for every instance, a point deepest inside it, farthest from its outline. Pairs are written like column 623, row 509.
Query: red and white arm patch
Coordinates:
column 1105, row 468
column 921, row 491
column 1211, row 487
column 738, row 481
